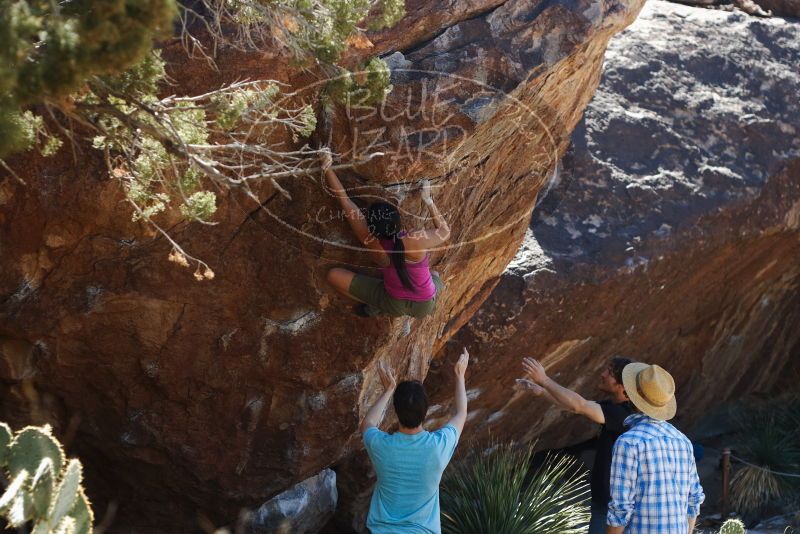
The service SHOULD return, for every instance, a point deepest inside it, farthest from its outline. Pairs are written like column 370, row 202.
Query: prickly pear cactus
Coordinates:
column 41, row 489
column 5, row 441
column 732, row 526
column 30, row 446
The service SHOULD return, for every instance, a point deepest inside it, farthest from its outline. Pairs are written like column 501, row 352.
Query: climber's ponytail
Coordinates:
column 399, row 262
column 383, row 221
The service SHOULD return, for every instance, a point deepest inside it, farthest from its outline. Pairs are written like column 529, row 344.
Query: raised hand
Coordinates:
column 426, row 192
column 523, row 384
column 461, row 365
column 387, row 377
column 325, row 158
column 534, row 370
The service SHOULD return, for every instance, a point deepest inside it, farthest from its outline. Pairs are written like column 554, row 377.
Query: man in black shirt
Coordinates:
column 609, row 413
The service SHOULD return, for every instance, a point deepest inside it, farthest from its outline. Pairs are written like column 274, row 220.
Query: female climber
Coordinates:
column 408, row 286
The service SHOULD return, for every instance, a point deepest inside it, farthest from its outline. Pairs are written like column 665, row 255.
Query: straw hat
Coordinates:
column 651, row 389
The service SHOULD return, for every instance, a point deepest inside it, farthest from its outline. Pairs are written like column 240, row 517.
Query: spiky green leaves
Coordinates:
column 52, row 498
column 495, row 492
column 769, row 440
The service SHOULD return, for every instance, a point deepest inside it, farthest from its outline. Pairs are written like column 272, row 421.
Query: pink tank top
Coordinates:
column 419, row 273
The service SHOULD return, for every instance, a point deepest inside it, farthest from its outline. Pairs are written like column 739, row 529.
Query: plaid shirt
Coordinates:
column 654, row 482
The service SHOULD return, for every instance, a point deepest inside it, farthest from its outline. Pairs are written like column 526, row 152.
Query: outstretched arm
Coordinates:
column 426, row 239
column 563, row 396
column 442, row 229
column 376, row 411
column 351, row 212
column 525, row 384
column 460, row 401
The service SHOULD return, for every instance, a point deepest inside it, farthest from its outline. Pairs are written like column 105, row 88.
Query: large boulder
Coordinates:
column 302, row 509
column 186, row 398
column 670, row 235
column 760, row 8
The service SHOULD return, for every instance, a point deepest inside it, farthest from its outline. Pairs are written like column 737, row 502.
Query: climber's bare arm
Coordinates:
column 351, row 212
column 525, row 384
column 560, row 395
column 428, row 239
column 375, row 413
column 460, row 416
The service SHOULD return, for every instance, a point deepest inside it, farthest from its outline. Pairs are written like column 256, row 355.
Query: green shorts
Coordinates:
column 372, row 291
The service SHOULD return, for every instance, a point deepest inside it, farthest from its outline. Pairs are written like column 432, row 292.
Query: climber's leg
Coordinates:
column 341, row 279
column 372, row 292
column 361, row 288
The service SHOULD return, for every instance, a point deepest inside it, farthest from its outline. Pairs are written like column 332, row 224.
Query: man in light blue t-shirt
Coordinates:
column 410, row 462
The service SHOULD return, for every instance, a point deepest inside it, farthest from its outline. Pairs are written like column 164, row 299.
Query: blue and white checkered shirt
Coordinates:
column 654, row 482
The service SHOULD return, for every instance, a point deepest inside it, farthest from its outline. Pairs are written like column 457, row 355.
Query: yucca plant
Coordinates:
column 770, row 449
column 790, row 417
column 495, row 492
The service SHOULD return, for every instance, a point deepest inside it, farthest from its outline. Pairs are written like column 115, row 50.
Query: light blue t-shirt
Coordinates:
column 409, row 468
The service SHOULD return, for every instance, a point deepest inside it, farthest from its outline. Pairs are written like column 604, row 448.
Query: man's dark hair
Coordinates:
column 410, row 403
column 618, row 363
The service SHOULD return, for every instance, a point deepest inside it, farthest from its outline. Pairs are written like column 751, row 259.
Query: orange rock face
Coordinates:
column 188, row 398
column 671, row 235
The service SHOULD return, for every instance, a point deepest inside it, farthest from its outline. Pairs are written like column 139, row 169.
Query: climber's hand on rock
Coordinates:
column 325, row 159
column 534, row 370
column 523, row 384
column 426, row 193
column 387, row 377
column 461, row 365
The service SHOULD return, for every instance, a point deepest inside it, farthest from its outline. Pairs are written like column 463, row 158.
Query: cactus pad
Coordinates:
column 12, row 490
column 30, row 446
column 51, row 500
column 66, row 494
column 21, row 510
column 82, row 513
column 42, row 489
column 5, row 441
